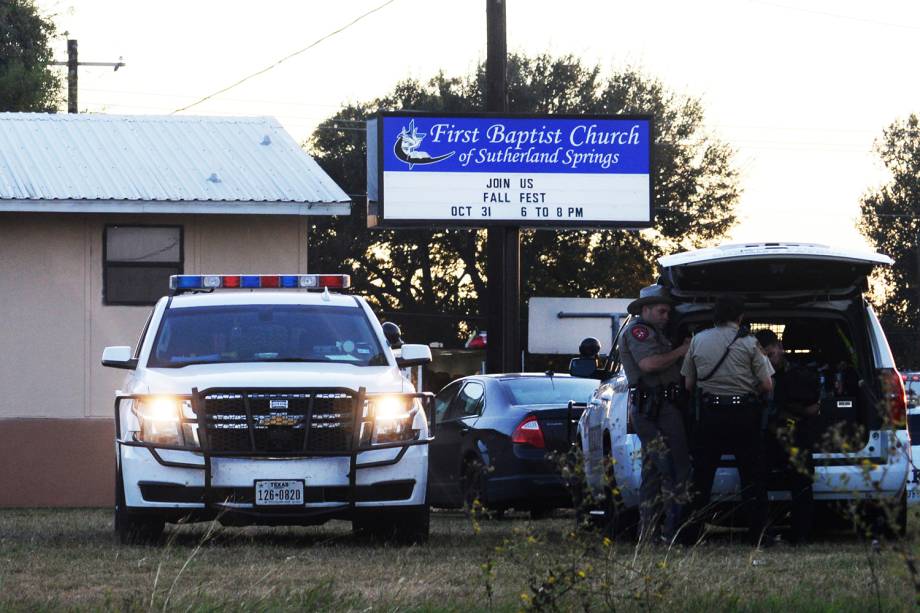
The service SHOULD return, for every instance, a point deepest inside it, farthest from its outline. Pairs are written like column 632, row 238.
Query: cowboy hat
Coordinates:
column 653, row 294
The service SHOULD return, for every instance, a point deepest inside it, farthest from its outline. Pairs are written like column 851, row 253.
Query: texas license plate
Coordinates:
column 275, row 493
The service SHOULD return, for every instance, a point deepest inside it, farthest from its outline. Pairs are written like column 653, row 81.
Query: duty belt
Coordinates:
column 671, row 392
column 719, row 400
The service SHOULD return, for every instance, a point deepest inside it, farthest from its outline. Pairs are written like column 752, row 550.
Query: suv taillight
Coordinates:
column 893, row 395
column 528, row 432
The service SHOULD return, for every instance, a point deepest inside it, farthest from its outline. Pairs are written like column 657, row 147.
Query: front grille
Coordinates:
column 281, row 422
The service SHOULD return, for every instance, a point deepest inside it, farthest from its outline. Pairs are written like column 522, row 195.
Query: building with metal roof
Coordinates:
column 96, row 211
column 153, row 164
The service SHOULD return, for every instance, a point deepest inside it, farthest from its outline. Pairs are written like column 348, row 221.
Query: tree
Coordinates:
column 890, row 219
column 27, row 81
column 440, row 273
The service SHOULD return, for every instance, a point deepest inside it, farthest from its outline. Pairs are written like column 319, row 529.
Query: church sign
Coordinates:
column 478, row 170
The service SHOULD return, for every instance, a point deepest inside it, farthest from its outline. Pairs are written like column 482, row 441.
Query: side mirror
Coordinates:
column 414, row 355
column 118, row 357
column 584, row 368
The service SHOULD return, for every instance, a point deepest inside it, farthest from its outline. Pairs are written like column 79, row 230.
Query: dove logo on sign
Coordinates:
column 406, row 147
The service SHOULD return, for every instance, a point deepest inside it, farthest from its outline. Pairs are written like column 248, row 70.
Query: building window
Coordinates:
column 137, row 263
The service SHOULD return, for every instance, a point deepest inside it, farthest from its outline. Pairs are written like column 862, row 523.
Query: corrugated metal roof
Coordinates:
column 118, row 162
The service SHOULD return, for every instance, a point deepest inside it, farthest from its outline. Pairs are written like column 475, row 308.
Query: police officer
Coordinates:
column 651, row 365
column 732, row 374
column 791, row 434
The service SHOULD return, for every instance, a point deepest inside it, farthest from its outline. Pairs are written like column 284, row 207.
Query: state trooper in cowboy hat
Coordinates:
column 652, row 367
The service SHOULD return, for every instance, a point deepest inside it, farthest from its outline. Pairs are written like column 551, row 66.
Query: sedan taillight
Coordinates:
column 528, row 432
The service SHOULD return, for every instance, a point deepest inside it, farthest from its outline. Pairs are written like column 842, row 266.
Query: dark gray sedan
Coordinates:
column 494, row 433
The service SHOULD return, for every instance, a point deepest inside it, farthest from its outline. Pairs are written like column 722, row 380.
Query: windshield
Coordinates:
column 549, row 390
column 265, row 333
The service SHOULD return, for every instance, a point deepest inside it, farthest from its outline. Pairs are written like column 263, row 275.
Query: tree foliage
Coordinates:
column 27, row 81
column 441, row 273
column 890, row 219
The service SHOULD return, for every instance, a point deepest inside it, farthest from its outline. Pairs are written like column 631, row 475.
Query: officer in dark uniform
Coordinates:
column 652, row 369
column 792, row 430
column 732, row 374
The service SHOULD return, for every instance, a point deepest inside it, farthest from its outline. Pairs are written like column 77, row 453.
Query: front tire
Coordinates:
column 130, row 528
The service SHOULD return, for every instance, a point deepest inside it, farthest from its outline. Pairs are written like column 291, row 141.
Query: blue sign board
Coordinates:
column 480, row 170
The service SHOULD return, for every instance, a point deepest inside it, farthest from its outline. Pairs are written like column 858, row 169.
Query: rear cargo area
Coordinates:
column 833, row 369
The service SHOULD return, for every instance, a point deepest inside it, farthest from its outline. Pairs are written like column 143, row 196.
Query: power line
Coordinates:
column 287, row 57
column 245, row 100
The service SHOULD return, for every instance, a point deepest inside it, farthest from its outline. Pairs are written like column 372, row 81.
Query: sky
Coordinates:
column 801, row 89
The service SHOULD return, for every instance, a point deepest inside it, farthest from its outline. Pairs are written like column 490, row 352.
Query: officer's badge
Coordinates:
column 640, row 333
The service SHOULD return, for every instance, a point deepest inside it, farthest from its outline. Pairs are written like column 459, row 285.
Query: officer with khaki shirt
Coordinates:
column 732, row 374
column 653, row 373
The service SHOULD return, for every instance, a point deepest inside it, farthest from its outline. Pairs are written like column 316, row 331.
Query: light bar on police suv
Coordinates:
column 207, row 282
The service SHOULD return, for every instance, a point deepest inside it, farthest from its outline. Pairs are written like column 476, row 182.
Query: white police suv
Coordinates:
column 811, row 296
column 275, row 402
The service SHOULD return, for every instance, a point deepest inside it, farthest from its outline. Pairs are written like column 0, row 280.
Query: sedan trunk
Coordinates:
column 558, row 430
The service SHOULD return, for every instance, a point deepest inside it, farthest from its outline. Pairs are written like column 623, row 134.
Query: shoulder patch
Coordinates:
column 640, row 332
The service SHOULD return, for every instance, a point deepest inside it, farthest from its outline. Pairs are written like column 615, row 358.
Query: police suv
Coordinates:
column 812, row 297
column 285, row 406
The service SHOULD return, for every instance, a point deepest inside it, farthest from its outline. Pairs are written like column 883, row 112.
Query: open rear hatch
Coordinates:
column 830, row 343
column 769, row 268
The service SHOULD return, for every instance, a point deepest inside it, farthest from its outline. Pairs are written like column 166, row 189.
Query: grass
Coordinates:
column 67, row 559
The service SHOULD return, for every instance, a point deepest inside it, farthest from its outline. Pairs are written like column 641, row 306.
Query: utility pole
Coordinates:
column 503, row 243
column 72, row 64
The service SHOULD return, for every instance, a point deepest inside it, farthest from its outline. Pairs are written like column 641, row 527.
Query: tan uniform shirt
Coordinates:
column 640, row 340
column 740, row 373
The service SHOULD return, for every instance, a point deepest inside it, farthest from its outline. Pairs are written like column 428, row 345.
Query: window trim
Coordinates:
column 122, row 264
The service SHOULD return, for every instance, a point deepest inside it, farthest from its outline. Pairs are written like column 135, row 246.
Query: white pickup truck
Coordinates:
column 267, row 399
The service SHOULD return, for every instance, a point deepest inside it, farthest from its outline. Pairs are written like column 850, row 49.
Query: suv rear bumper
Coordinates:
column 877, row 474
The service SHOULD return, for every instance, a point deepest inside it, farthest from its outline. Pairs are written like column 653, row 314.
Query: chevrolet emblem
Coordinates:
column 277, row 419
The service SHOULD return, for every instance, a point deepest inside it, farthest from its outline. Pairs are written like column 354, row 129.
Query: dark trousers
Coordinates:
column 789, row 451
column 735, row 430
column 665, row 469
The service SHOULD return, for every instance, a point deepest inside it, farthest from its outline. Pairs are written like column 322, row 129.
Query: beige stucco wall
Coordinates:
column 53, row 324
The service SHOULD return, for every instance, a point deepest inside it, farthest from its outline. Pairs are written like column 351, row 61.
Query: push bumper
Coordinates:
column 200, row 483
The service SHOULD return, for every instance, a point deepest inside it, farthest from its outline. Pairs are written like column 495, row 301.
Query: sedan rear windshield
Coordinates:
column 549, row 390
column 265, row 333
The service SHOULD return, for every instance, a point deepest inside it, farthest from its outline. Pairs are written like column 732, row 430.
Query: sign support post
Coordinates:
column 503, row 243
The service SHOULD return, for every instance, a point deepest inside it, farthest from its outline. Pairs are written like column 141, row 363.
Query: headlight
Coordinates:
column 393, row 417
column 160, row 423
